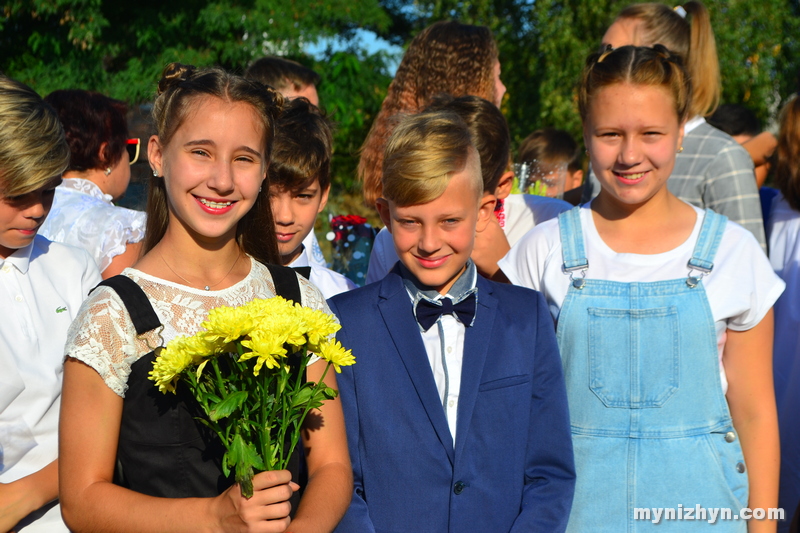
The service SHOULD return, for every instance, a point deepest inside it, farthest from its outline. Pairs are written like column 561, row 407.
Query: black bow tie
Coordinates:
column 429, row 312
column 303, row 271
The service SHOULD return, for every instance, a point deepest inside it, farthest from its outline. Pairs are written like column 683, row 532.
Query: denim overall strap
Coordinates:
column 650, row 424
column 572, row 249
column 707, row 243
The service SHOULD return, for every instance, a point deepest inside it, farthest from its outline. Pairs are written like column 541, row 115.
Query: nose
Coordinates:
column 222, row 179
column 429, row 240
column 282, row 209
column 630, row 152
column 34, row 205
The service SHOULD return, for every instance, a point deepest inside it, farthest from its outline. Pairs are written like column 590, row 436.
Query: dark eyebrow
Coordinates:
column 202, row 142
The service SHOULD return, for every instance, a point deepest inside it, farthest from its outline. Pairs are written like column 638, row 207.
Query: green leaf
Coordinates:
column 228, row 406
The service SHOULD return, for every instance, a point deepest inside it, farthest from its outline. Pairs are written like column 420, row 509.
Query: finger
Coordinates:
column 268, row 479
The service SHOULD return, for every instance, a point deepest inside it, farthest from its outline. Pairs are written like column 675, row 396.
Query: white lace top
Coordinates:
column 85, row 217
column 103, row 335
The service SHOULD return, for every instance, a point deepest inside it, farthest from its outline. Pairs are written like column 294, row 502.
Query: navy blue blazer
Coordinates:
column 511, row 468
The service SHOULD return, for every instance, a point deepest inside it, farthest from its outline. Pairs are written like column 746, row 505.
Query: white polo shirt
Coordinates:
column 42, row 287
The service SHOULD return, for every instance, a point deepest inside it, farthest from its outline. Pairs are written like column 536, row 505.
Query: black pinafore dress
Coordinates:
column 163, row 450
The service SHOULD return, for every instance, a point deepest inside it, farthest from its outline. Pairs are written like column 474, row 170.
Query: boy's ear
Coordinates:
column 323, row 201
column 576, row 178
column 485, row 211
column 504, row 185
column 154, row 154
column 383, row 210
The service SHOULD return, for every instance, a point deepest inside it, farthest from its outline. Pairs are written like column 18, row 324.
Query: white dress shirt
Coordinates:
column 328, row 282
column 42, row 287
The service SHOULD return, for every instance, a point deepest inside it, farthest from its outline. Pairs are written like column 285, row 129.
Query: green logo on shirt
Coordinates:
column 61, row 309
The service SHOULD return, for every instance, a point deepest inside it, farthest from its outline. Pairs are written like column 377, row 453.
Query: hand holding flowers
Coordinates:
column 246, row 370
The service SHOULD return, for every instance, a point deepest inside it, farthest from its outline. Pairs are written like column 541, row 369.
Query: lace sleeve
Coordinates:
column 103, row 337
column 312, row 297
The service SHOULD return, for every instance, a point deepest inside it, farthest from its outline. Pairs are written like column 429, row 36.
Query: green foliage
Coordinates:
column 352, row 89
column 544, row 44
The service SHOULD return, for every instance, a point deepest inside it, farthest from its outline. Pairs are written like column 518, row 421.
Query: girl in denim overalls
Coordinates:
column 664, row 321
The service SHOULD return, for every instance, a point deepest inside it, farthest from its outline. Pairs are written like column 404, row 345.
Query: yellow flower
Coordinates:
column 229, row 323
column 266, row 348
column 333, row 352
column 318, row 325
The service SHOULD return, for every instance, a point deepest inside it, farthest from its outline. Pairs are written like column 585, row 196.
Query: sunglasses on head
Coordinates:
column 133, row 150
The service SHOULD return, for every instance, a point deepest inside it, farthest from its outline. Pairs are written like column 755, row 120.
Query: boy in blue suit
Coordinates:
column 456, row 412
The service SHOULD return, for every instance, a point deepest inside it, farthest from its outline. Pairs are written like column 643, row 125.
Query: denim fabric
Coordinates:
column 649, row 419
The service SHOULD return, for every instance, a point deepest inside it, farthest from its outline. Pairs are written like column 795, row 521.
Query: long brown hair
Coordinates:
column 690, row 37
column 446, row 57
column 787, row 154
column 179, row 90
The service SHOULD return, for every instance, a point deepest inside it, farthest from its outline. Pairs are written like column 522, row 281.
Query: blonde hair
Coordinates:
column 636, row 65
column 691, row 38
column 446, row 57
column 33, row 148
column 423, row 153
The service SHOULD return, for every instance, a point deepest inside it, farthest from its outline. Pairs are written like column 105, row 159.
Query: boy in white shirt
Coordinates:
column 299, row 177
column 42, row 285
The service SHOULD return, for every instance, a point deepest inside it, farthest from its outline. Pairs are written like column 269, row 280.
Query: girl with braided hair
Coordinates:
column 134, row 459
column 664, row 319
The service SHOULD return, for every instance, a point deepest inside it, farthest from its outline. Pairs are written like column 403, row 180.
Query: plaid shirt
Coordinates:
column 714, row 172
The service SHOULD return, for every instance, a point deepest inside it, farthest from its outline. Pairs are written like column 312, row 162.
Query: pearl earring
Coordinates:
column 155, row 174
column 107, row 171
column 680, row 149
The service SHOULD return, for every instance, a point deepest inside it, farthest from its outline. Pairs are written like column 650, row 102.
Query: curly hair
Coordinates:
column 785, row 159
column 180, row 90
column 446, row 57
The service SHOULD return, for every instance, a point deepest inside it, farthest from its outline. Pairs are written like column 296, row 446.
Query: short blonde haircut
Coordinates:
column 422, row 154
column 33, row 148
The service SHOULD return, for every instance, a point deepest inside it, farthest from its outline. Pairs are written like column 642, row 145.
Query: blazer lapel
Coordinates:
column 395, row 307
column 477, row 339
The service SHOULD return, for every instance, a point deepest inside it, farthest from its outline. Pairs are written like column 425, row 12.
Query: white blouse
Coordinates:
column 82, row 215
column 103, row 335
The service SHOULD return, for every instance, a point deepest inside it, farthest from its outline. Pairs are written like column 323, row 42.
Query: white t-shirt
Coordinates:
column 328, row 282
column 522, row 212
column 41, row 290
column 741, row 288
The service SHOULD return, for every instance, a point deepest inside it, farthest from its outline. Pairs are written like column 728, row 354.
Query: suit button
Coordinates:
column 458, row 488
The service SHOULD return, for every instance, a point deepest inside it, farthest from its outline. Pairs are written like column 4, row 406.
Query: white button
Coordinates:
column 452, row 403
column 449, row 349
column 18, row 298
column 6, row 267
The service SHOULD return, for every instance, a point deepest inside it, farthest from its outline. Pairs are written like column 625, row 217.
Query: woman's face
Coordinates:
column 499, row 88
column 213, row 168
column 632, row 134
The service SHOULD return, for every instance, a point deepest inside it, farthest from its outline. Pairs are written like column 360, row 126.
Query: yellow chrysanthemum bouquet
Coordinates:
column 246, row 369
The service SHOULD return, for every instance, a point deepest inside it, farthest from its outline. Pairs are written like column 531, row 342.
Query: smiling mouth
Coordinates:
column 432, row 262
column 214, row 205
column 631, row 177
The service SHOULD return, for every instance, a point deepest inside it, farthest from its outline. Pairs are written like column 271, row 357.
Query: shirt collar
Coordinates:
column 463, row 287
column 302, row 259
column 21, row 258
column 692, row 123
column 86, row 187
